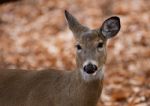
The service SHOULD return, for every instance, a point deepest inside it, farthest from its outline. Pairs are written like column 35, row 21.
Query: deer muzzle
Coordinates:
column 90, row 68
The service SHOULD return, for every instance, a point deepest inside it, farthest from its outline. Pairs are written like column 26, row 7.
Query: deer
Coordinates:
column 51, row 87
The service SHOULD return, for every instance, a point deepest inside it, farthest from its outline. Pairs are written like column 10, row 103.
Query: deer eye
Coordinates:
column 79, row 48
column 100, row 45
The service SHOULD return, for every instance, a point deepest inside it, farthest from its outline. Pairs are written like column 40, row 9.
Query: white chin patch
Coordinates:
column 97, row 75
column 94, row 74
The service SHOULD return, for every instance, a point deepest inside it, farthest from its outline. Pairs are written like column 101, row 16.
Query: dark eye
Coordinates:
column 100, row 45
column 78, row 47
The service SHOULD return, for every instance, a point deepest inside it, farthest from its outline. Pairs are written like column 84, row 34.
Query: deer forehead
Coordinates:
column 89, row 38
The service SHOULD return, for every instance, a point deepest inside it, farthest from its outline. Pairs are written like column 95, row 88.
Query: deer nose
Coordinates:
column 90, row 68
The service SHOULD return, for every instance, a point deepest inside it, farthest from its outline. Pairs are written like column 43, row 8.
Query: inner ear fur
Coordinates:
column 110, row 27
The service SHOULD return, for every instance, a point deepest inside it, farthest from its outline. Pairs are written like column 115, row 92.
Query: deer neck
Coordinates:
column 88, row 92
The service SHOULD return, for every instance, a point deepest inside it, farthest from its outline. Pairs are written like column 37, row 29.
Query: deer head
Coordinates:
column 91, row 45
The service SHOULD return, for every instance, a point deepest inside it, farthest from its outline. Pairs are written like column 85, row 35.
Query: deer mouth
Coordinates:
column 92, row 75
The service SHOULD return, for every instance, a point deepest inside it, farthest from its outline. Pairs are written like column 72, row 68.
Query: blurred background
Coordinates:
column 35, row 35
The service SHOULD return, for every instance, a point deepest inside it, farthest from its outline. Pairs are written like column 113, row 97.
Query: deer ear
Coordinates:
column 74, row 25
column 110, row 27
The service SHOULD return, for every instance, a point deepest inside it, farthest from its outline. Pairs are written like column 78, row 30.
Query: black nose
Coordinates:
column 90, row 68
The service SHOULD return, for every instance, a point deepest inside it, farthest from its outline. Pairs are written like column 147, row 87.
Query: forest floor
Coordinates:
column 35, row 35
